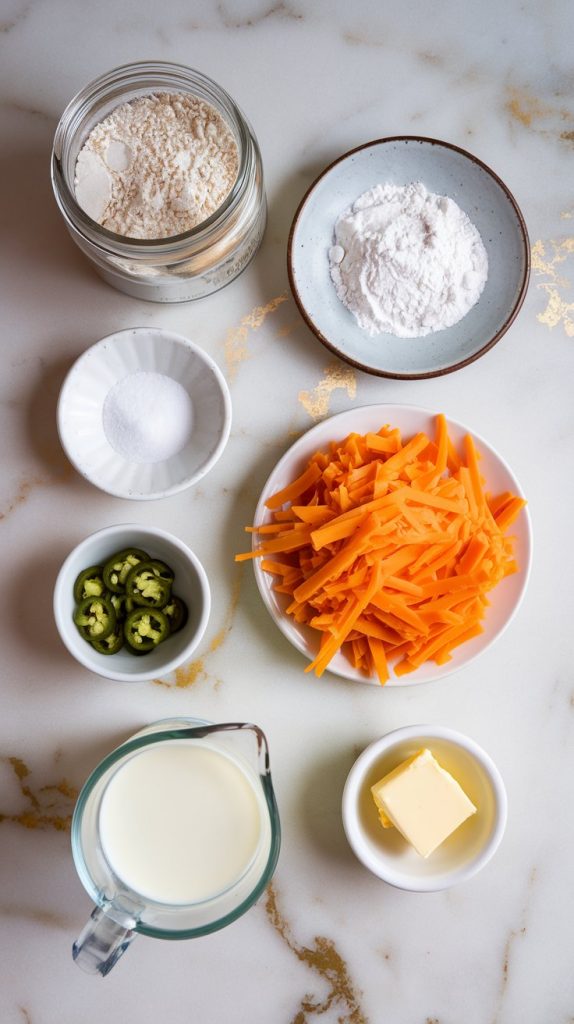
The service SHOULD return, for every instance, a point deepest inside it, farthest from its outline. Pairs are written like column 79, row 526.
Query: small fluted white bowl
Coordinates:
column 190, row 584
column 466, row 851
column 84, row 391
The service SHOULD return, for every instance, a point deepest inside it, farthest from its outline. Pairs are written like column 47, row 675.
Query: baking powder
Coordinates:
column 156, row 166
column 407, row 261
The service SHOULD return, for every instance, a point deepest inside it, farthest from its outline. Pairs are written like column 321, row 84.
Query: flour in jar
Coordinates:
column 156, row 166
column 407, row 261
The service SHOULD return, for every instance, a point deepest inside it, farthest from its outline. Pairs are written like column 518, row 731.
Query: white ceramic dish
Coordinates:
column 446, row 170
column 466, row 851
column 84, row 391
column 505, row 598
column 190, row 584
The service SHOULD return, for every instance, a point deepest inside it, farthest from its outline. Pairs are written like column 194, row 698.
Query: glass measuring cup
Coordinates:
column 121, row 911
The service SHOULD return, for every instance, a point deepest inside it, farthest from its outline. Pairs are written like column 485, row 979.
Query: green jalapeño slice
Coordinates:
column 90, row 583
column 146, row 587
column 144, row 629
column 95, row 618
column 119, row 566
column 112, row 643
column 176, row 613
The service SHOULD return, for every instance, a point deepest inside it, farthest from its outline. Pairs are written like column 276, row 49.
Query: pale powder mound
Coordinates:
column 156, row 166
column 407, row 261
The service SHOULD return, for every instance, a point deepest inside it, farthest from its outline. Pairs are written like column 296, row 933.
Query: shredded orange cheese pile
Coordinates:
column 388, row 550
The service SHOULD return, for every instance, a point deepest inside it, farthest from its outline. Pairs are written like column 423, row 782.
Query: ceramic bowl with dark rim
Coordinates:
column 443, row 169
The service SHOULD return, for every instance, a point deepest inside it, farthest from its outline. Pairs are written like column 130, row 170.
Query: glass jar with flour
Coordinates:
column 159, row 178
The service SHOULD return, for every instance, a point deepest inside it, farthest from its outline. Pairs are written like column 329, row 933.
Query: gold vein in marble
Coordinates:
column 317, row 401
column 429, row 57
column 287, row 329
column 544, row 118
column 188, row 675
column 21, row 108
column 22, row 494
column 228, row 624
column 356, row 39
column 7, row 24
column 324, row 959
column 547, row 260
column 49, row 806
column 30, row 484
column 37, row 915
column 279, row 10
column 524, row 107
column 513, row 935
column 236, row 350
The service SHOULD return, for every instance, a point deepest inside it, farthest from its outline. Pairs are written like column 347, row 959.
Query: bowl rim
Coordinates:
column 283, row 622
column 378, row 865
column 178, row 339
column 109, row 672
column 442, row 371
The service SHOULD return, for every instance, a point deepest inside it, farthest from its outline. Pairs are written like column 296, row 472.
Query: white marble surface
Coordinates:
column 315, row 80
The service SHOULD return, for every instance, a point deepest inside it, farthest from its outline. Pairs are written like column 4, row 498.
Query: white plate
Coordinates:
column 410, row 419
column 446, row 170
column 84, row 391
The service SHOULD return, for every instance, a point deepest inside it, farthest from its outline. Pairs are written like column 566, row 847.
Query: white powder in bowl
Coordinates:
column 147, row 417
column 407, row 261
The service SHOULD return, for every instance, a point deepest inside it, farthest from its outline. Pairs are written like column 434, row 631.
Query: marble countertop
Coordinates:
column 329, row 942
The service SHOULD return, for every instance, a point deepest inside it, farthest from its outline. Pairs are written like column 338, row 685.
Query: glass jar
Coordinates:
column 186, row 266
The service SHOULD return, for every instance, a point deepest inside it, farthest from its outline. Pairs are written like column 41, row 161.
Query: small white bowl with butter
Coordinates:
column 427, row 797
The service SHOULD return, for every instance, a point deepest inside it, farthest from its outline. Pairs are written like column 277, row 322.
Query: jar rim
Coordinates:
column 97, row 88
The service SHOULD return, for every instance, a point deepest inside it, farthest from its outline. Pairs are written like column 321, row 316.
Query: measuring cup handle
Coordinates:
column 102, row 942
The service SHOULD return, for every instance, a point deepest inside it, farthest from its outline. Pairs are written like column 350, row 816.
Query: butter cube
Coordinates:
column 422, row 801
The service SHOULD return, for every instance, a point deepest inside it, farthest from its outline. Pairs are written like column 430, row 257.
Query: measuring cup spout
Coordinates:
column 103, row 940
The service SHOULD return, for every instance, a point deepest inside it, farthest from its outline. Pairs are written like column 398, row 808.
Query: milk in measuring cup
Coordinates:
column 181, row 822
